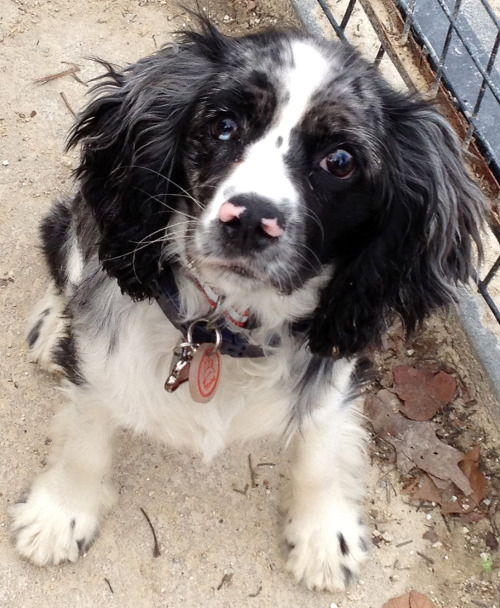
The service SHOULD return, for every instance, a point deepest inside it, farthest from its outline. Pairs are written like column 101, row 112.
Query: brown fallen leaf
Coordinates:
column 451, row 500
column 423, row 391
column 431, row 536
column 491, row 541
column 425, row 489
column 473, row 518
column 470, row 467
column 413, row 599
column 415, row 442
column 448, row 496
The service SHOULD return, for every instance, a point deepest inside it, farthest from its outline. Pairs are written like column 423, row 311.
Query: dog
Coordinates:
column 250, row 216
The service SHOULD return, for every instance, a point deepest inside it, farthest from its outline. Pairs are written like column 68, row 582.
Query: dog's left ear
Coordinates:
column 423, row 244
column 130, row 172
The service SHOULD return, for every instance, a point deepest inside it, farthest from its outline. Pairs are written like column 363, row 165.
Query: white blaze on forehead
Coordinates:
column 302, row 80
column 262, row 170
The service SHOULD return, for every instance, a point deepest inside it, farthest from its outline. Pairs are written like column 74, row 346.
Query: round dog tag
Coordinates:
column 204, row 373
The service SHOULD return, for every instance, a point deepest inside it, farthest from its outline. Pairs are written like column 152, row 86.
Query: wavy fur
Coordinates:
column 284, row 174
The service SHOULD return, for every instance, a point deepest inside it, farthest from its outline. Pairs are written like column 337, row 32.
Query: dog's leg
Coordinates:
column 46, row 327
column 59, row 517
column 324, row 526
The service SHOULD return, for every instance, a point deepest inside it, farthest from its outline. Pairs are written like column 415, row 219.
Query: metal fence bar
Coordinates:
column 332, row 20
column 347, row 14
column 380, row 56
column 483, row 290
column 492, row 15
column 484, row 132
column 408, row 22
column 469, row 50
column 492, row 272
column 480, row 96
column 446, row 46
column 378, row 26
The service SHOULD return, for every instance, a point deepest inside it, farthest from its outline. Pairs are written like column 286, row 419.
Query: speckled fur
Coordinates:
column 393, row 236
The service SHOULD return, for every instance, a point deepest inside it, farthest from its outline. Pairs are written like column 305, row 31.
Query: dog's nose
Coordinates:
column 251, row 222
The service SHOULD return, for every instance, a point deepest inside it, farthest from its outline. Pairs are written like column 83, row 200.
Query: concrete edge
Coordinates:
column 305, row 10
column 482, row 339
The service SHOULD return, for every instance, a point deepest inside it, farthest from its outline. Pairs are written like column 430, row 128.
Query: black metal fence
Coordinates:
column 459, row 40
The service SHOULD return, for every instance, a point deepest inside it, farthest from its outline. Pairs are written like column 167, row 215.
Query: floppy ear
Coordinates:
column 423, row 245
column 129, row 172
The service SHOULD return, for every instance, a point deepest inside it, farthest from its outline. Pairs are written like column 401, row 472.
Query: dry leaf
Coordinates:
column 423, row 391
column 470, row 467
column 448, row 496
column 473, row 518
column 425, row 489
column 431, row 536
column 491, row 541
column 415, row 442
column 410, row 600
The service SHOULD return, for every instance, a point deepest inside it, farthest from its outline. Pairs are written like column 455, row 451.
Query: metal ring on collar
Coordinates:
column 216, row 330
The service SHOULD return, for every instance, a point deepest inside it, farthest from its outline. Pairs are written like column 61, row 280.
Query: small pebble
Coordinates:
column 5, row 163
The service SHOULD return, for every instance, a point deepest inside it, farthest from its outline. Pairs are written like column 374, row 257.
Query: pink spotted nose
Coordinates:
column 250, row 223
column 228, row 212
column 271, row 227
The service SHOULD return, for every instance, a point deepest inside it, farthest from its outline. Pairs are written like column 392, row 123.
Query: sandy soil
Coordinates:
column 207, row 524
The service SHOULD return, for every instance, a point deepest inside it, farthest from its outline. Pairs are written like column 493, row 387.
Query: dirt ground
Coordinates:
column 218, row 535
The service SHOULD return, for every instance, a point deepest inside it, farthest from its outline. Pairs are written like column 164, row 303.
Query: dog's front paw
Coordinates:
column 326, row 547
column 48, row 530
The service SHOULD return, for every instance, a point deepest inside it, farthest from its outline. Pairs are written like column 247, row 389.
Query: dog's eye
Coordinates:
column 224, row 128
column 339, row 163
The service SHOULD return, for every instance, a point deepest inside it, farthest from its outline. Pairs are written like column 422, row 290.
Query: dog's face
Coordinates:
column 282, row 156
column 268, row 160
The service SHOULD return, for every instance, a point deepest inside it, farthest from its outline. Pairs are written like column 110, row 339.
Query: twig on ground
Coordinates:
column 45, row 79
column 226, row 580
column 253, row 476
column 429, row 560
column 406, row 542
column 244, row 491
column 156, row 548
column 109, row 584
column 65, row 99
column 446, row 523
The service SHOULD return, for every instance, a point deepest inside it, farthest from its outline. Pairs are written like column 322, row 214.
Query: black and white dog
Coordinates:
column 271, row 203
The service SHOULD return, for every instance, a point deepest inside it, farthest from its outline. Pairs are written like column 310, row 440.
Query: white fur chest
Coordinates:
column 252, row 399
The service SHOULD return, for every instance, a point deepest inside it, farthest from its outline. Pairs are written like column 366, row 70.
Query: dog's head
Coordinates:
column 268, row 160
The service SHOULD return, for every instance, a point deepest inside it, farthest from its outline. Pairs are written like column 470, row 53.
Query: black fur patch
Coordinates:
column 65, row 355
column 34, row 333
column 54, row 232
column 348, row 575
column 344, row 549
column 312, row 381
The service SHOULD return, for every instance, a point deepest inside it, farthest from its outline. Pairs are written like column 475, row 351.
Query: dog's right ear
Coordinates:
column 129, row 171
